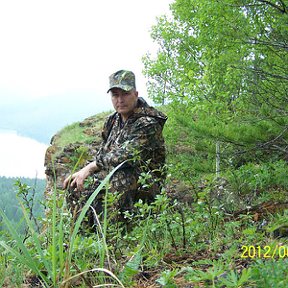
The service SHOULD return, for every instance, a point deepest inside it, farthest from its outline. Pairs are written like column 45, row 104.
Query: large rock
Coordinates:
column 72, row 148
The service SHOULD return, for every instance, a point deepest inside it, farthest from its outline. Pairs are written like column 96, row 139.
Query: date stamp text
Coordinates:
column 267, row 251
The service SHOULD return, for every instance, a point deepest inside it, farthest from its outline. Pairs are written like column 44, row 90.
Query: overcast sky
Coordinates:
column 57, row 46
column 67, row 47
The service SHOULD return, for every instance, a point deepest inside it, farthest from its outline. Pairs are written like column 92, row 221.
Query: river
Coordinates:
column 21, row 156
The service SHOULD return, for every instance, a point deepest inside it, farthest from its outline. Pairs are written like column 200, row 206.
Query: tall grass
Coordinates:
column 53, row 265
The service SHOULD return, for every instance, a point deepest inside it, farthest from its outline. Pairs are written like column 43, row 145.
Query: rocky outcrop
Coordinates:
column 76, row 145
column 72, row 148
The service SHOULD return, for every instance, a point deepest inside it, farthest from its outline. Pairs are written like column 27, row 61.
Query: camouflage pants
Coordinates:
column 121, row 183
column 124, row 183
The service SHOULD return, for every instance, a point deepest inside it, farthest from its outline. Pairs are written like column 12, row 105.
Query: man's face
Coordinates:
column 124, row 102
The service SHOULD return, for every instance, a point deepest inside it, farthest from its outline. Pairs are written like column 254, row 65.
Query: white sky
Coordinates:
column 51, row 47
column 55, row 47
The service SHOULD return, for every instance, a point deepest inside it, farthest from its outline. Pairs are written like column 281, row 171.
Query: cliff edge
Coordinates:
column 72, row 148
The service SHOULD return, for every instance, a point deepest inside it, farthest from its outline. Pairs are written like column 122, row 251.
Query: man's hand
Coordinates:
column 77, row 179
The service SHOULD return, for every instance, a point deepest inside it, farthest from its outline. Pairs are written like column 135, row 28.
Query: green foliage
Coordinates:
column 31, row 189
column 167, row 279
column 234, row 279
column 259, row 177
column 72, row 133
column 211, row 274
column 131, row 268
column 221, row 70
column 221, row 66
column 198, row 230
column 52, row 263
column 80, row 156
column 272, row 273
column 76, row 132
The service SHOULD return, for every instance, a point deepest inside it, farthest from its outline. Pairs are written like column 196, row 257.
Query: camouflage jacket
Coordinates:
column 138, row 140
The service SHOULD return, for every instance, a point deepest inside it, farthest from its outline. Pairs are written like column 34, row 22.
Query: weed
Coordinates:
column 52, row 264
column 211, row 274
column 177, row 239
column 167, row 279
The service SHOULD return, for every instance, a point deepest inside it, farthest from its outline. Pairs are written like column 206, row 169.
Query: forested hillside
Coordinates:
column 222, row 218
column 13, row 190
column 222, row 67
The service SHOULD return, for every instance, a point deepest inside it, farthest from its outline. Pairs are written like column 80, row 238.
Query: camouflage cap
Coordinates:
column 122, row 79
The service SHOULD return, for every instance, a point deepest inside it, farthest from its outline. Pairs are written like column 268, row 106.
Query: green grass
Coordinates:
column 176, row 241
column 52, row 264
column 71, row 134
column 76, row 132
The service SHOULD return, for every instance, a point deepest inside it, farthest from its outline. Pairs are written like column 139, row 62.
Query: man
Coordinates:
column 132, row 134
